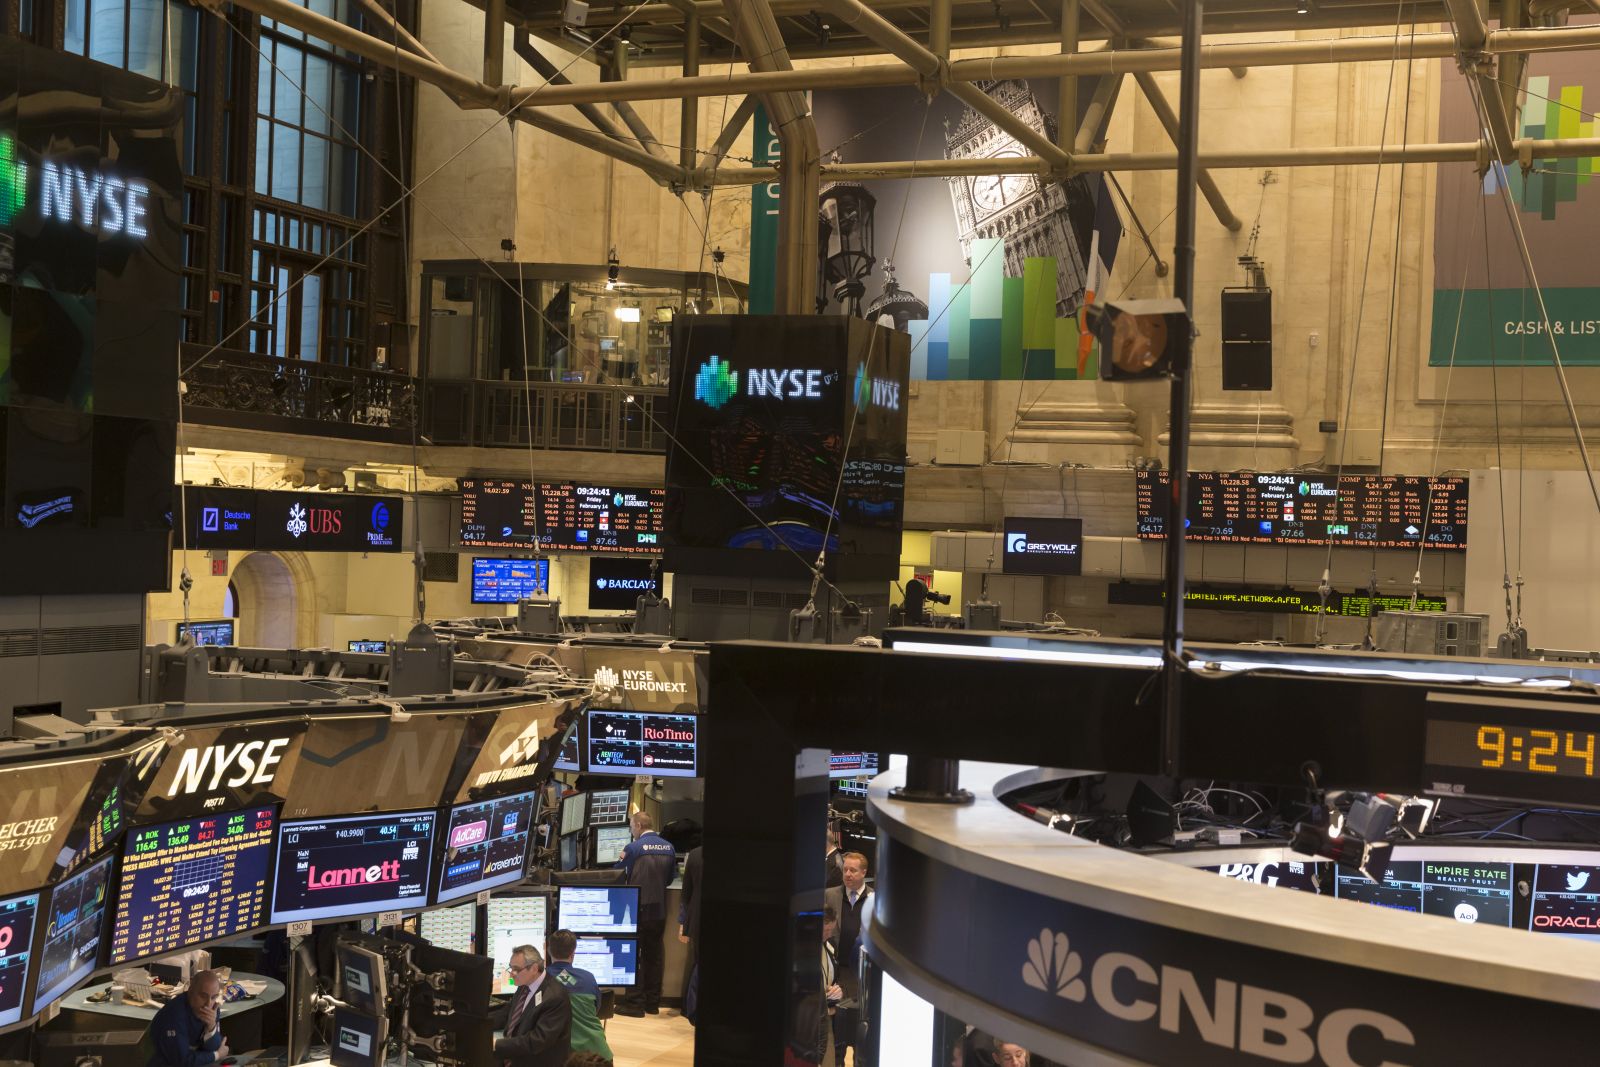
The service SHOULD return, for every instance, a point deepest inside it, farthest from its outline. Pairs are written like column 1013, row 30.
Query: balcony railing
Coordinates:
column 232, row 388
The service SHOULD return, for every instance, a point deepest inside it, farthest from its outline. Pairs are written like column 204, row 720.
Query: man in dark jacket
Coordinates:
column 650, row 862
column 537, row 1020
column 186, row 1032
column 588, row 1035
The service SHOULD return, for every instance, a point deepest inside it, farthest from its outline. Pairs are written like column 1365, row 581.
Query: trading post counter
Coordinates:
column 1086, row 954
column 241, row 1019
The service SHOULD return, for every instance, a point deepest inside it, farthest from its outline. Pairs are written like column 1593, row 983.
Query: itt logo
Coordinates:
column 715, row 383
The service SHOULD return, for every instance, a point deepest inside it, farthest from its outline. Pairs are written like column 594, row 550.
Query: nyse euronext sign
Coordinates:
column 716, row 382
column 93, row 200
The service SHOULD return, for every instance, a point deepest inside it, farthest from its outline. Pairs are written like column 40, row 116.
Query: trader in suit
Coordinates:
column 186, row 1032
column 650, row 862
column 852, row 902
column 537, row 1020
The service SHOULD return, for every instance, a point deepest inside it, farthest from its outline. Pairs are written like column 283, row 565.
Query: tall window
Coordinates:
column 308, row 119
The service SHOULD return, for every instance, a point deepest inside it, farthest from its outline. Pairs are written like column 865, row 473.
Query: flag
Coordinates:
column 1107, row 234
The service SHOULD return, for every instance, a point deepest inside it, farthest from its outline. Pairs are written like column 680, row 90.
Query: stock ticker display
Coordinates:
column 72, row 933
column 1357, row 510
column 1272, row 601
column 486, row 845
column 184, row 883
column 634, row 742
column 560, row 516
column 365, row 863
column 1462, row 890
column 17, row 915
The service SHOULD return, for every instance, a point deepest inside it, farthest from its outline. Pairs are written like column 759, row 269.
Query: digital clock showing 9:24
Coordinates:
column 1500, row 746
column 1513, row 747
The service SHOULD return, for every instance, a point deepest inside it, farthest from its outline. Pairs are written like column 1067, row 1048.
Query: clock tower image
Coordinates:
column 1033, row 216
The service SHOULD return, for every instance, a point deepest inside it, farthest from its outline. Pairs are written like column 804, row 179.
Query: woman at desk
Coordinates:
column 186, row 1032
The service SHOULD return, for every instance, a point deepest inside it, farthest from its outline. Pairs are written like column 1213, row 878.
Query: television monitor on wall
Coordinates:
column 212, row 632
column 74, row 926
column 642, row 742
column 332, row 868
column 515, row 919
column 486, row 845
column 188, row 882
column 377, row 647
column 506, row 581
column 18, row 915
column 617, row 584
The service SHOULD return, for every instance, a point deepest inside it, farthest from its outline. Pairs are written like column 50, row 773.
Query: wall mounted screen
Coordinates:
column 216, row 632
column 561, row 516
column 75, row 921
column 1042, row 546
column 188, row 882
column 328, row 868
column 17, row 917
column 640, row 742
column 1358, row 510
column 617, row 584
column 506, row 581
column 486, row 845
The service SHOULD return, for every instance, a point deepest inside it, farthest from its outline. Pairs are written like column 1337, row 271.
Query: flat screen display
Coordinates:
column 1463, row 890
column 1042, row 546
column 572, row 808
column 217, row 632
column 486, row 845
column 608, row 807
column 609, row 841
column 377, row 647
column 598, row 909
column 1270, row 601
column 1360, row 510
column 617, row 584
column 358, row 1039
column 453, row 928
column 73, row 928
column 1566, row 900
column 506, row 581
column 17, row 917
column 328, row 522
column 852, row 764
column 327, row 868
column 614, row 961
column 570, row 758
column 220, row 518
column 641, row 742
column 561, row 516
column 184, row 883
column 513, row 921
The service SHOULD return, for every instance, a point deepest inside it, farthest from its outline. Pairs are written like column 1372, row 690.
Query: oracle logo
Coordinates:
column 1565, row 922
column 470, row 834
column 330, row 878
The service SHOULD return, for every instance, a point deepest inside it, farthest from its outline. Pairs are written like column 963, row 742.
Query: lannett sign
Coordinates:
column 99, row 201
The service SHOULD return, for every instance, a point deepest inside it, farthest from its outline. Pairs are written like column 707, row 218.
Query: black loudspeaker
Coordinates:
column 1247, row 339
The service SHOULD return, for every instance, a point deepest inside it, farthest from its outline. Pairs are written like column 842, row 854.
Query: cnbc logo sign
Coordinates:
column 68, row 194
column 716, row 382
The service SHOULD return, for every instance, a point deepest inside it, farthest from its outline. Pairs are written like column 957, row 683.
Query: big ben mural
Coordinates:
column 1034, row 217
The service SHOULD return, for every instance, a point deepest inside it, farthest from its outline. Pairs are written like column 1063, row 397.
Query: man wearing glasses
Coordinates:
column 537, row 1020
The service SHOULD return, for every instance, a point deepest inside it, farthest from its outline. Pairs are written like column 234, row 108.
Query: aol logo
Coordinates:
column 1053, row 967
column 297, row 524
column 1016, row 542
column 1466, row 913
column 606, row 678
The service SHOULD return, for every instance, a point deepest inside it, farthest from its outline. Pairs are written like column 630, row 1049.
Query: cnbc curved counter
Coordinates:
column 1090, row 955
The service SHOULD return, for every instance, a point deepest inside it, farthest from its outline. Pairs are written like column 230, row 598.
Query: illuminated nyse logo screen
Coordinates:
column 351, row 866
column 192, row 881
column 98, row 200
column 716, row 382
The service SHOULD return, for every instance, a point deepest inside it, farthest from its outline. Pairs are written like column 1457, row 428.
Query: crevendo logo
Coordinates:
column 1249, row 1019
column 246, row 763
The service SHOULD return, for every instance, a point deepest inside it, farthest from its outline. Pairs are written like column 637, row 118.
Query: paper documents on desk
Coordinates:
column 251, row 986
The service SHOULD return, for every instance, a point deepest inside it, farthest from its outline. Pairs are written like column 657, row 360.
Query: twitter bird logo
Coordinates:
column 1577, row 880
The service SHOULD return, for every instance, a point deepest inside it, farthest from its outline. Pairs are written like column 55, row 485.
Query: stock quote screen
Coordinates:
column 328, row 868
column 72, row 934
column 1357, row 510
column 562, row 516
column 1272, row 601
column 17, row 915
column 184, row 883
column 635, row 742
column 1463, row 890
column 485, row 845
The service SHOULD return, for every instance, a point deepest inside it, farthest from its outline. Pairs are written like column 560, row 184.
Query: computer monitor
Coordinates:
column 608, row 807
column 210, row 632
column 602, row 909
column 378, row 647
column 1467, row 890
column 357, row 1040
column 454, row 928
column 642, row 742
column 614, row 961
column 520, row 919
column 852, row 764
column 571, row 853
column 357, row 865
column 75, row 923
column 18, row 915
column 609, row 841
column 572, row 813
column 188, row 882
column 486, row 845
column 362, row 983
column 1566, row 900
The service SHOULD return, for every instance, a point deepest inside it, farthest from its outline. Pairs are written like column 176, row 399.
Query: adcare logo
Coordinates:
column 1254, row 1020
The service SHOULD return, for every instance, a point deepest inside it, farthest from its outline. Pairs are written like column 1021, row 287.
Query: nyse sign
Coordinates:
column 94, row 200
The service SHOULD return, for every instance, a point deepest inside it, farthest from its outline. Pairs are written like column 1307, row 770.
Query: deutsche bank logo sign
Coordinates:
column 1043, row 546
